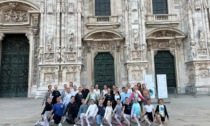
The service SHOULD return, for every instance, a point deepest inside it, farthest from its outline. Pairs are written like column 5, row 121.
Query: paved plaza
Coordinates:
column 183, row 111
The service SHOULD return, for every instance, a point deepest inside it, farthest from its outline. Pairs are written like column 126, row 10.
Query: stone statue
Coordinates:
column 71, row 8
column 202, row 38
column 40, row 56
column 50, row 6
column 49, row 42
column 71, row 40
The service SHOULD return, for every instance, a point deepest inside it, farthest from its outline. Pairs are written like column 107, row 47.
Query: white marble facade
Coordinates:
column 65, row 36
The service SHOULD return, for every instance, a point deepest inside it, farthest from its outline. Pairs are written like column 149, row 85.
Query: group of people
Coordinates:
column 107, row 106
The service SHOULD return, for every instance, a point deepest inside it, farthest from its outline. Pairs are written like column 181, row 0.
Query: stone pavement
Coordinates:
column 183, row 111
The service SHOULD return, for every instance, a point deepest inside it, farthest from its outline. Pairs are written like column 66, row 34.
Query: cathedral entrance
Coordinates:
column 165, row 64
column 14, row 66
column 104, row 70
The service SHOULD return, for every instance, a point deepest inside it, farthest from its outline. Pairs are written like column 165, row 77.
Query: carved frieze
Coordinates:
column 137, row 75
column 15, row 15
column 49, row 57
column 104, row 35
column 49, row 77
column 202, row 53
column 71, row 56
column 164, row 33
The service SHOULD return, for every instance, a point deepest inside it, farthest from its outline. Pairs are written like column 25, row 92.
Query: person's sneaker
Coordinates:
column 149, row 124
column 74, row 125
column 101, row 125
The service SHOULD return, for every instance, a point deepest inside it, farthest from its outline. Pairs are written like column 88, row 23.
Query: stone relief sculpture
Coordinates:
column 197, row 4
column 40, row 55
column 42, row 6
column 49, row 42
column 134, row 5
column 71, row 41
column 50, row 6
column 15, row 16
column 71, row 8
column 135, row 39
column 202, row 38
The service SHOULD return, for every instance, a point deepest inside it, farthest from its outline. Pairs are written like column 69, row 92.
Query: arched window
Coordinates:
column 102, row 8
column 160, row 6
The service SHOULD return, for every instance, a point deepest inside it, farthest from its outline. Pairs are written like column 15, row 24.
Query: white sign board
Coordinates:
column 150, row 84
column 162, row 86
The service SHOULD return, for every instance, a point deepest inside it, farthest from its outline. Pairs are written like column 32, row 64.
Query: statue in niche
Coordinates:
column 197, row 5
column 136, row 39
column 50, row 6
column 40, row 56
column 71, row 8
column 71, row 41
column 42, row 6
column 49, row 42
column 202, row 38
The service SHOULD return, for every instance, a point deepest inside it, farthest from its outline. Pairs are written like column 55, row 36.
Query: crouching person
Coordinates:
column 72, row 109
column 46, row 111
column 82, row 111
column 58, row 111
column 91, row 112
column 100, row 115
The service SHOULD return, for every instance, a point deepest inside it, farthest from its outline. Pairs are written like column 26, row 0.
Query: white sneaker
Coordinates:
column 74, row 125
column 101, row 125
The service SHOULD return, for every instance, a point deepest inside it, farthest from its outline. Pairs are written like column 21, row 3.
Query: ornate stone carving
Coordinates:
column 49, row 56
column 49, row 43
column 50, row 6
column 202, row 53
column 49, row 77
column 202, row 39
column 163, row 44
column 71, row 41
column 197, row 5
column 172, row 51
column 164, row 33
column 103, row 46
column 42, row 6
column 134, row 5
column 136, row 55
column 136, row 39
column 71, row 56
column 137, row 75
column 71, row 8
column 41, row 54
column 103, row 35
column 1, row 36
column 15, row 16
column 118, row 45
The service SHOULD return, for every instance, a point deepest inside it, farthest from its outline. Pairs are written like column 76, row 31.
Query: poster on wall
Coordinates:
column 162, row 86
column 150, row 84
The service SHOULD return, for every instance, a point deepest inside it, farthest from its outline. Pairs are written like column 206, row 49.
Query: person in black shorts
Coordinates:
column 126, row 112
column 148, row 112
column 161, row 112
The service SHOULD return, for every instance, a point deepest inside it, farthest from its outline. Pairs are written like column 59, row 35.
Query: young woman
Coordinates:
column 100, row 115
column 148, row 112
column 117, row 112
column 97, row 90
column 104, row 91
column 92, row 96
column 137, row 94
column 161, row 112
column 139, row 86
column 91, row 112
column 126, row 112
column 79, row 96
column 136, row 111
column 116, row 96
column 108, row 113
column 108, row 97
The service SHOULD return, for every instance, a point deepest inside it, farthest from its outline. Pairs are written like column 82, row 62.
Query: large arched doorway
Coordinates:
column 104, row 70
column 165, row 64
column 14, row 66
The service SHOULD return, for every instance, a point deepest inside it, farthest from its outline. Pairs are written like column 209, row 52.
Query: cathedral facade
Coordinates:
column 102, row 42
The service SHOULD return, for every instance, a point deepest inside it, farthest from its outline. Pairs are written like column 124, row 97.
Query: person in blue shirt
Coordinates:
column 101, row 112
column 124, row 95
column 136, row 111
column 57, row 109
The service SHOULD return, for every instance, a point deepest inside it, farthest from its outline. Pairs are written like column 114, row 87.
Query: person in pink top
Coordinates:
column 146, row 93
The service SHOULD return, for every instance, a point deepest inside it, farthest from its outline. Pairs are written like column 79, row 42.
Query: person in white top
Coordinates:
column 104, row 91
column 97, row 90
column 67, row 97
column 91, row 112
column 128, row 85
column 74, row 91
column 108, row 113
column 149, row 112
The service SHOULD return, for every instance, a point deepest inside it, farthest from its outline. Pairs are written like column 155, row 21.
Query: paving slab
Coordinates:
column 183, row 111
